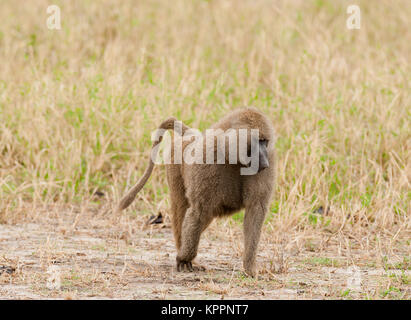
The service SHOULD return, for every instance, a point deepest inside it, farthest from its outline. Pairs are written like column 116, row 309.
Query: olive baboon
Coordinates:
column 201, row 192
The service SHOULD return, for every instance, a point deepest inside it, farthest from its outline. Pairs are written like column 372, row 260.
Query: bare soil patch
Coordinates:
column 119, row 258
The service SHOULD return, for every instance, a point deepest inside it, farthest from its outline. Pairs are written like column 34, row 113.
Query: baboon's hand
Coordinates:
column 250, row 269
column 184, row 265
column 250, row 273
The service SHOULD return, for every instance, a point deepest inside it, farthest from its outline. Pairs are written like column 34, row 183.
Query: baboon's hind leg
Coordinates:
column 178, row 201
column 194, row 224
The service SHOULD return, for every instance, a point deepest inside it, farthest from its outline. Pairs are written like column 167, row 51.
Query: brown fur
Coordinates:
column 201, row 192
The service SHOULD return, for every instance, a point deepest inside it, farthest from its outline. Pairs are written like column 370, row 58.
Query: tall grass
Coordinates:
column 77, row 105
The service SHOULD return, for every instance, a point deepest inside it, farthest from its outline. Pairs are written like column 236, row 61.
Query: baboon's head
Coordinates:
column 258, row 144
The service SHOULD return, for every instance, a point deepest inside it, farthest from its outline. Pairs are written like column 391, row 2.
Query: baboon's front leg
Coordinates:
column 193, row 225
column 253, row 222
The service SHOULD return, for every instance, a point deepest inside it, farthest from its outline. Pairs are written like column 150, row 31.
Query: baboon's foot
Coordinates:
column 188, row 266
column 250, row 269
column 250, row 273
column 184, row 265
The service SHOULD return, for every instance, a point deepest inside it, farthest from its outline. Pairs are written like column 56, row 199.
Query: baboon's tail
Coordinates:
column 131, row 195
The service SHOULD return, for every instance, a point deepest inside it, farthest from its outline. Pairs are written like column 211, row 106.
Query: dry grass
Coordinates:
column 77, row 107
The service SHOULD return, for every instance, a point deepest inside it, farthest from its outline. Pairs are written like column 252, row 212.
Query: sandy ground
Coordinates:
column 72, row 260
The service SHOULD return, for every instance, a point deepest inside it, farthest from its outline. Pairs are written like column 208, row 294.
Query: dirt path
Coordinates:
column 59, row 261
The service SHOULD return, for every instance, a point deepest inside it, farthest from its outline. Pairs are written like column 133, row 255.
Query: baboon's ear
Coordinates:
column 246, row 165
column 244, row 157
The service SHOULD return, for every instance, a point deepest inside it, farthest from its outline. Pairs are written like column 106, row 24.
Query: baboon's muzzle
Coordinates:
column 262, row 156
